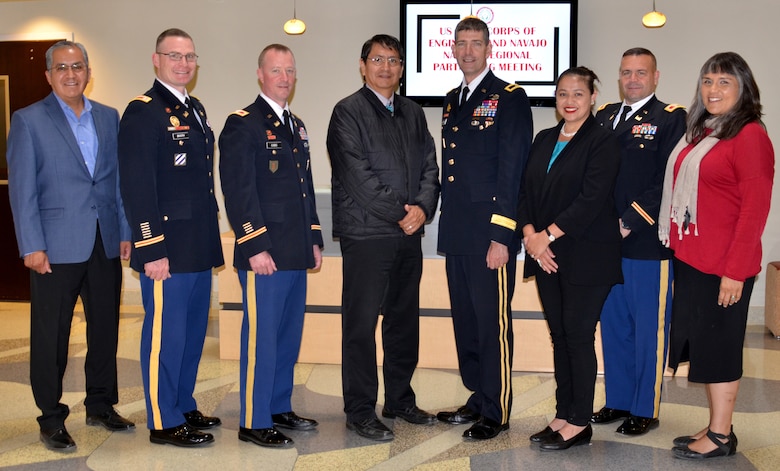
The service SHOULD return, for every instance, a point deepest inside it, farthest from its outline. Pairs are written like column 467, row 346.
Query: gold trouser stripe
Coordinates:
column 661, row 340
column 503, row 343
column 503, row 221
column 154, row 356
column 643, row 213
column 251, row 309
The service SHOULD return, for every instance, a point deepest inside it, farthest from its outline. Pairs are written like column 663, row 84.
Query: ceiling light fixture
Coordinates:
column 294, row 26
column 654, row 19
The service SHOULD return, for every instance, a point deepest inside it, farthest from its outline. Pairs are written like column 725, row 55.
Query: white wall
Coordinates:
column 229, row 34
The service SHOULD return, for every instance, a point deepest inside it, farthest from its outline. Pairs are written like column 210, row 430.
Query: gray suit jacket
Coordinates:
column 55, row 202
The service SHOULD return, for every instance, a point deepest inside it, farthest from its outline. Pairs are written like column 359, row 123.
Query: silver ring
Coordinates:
column 733, row 298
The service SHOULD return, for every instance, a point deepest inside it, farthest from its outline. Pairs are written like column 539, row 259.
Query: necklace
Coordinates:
column 567, row 134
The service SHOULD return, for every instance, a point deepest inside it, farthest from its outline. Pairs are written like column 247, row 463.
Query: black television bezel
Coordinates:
column 437, row 101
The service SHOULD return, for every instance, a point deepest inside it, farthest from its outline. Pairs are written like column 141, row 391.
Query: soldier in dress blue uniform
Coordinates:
column 166, row 149
column 265, row 169
column 486, row 136
column 636, row 317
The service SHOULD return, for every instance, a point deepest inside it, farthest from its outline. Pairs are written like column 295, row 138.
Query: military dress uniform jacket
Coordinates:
column 269, row 192
column 646, row 140
column 166, row 164
column 485, row 146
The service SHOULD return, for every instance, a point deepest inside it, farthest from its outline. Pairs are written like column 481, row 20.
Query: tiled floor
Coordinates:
column 332, row 447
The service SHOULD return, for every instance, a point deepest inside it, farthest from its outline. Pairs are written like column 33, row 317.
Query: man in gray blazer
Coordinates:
column 71, row 230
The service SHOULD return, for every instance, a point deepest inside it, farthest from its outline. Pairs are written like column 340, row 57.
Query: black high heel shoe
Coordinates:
column 728, row 448
column 555, row 441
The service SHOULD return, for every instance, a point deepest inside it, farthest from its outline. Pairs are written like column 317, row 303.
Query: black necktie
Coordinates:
column 187, row 102
column 286, row 115
column 464, row 97
column 624, row 114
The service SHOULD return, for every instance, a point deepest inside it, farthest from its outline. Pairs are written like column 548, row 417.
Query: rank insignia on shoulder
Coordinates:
column 241, row 113
column 512, row 87
column 143, row 98
column 603, row 106
column 673, row 107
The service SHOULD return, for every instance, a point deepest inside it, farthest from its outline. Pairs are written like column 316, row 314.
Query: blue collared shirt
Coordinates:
column 84, row 131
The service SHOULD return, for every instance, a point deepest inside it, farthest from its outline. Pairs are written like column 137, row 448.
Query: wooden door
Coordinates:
column 22, row 67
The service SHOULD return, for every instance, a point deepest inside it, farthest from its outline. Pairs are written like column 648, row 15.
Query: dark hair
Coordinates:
column 385, row 40
column 274, row 47
column 472, row 23
column 746, row 110
column 640, row 51
column 172, row 32
column 582, row 72
column 61, row 44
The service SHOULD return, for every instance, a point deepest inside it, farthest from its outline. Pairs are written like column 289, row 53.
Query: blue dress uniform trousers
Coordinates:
column 174, row 330
column 635, row 324
column 274, row 308
column 483, row 331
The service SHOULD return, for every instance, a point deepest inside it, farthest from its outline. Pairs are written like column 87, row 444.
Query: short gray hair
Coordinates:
column 61, row 44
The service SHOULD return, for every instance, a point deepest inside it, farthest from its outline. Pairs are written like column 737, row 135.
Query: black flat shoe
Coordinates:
column 463, row 415
column 372, row 429
column 110, row 420
column 687, row 439
column 485, row 429
column 556, row 442
column 637, row 425
column 607, row 415
column 184, row 435
column 291, row 420
column 539, row 437
column 200, row 421
column 58, row 439
column 413, row 415
column 268, row 437
column 728, row 448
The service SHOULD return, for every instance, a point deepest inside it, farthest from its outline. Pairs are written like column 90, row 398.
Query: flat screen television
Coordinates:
column 533, row 42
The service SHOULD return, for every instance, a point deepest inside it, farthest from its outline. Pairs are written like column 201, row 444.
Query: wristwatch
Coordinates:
column 549, row 235
column 624, row 225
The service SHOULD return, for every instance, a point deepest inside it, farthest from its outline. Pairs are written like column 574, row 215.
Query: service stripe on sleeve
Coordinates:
column 643, row 213
column 503, row 221
column 252, row 235
column 148, row 242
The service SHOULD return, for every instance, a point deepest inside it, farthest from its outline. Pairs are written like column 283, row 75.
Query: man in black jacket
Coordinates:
column 385, row 188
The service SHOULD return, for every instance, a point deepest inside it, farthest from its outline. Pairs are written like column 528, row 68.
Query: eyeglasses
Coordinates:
column 78, row 67
column 391, row 61
column 177, row 56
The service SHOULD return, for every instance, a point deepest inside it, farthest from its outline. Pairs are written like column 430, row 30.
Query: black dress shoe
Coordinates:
column 556, row 442
column 58, row 439
column 372, row 428
column 269, row 437
column 291, row 420
column 637, row 425
column 200, row 421
column 183, row 435
column 728, row 448
column 111, row 420
column 463, row 415
column 413, row 415
column 485, row 429
column 607, row 415
column 539, row 437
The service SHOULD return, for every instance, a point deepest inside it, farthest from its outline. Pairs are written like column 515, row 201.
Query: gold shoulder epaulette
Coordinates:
column 241, row 113
column 512, row 87
column 673, row 107
column 143, row 98
column 453, row 90
column 604, row 106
